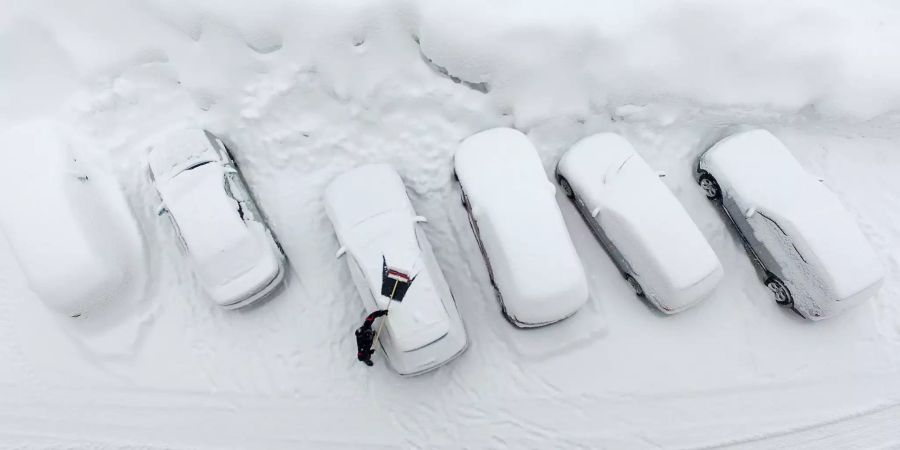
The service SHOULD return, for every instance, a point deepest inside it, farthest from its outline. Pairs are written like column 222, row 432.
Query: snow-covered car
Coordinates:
column 393, row 267
column 66, row 220
column 640, row 223
column 531, row 260
column 233, row 252
column 808, row 249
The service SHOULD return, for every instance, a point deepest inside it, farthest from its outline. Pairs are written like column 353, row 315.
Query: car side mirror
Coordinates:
column 595, row 212
column 229, row 169
column 161, row 209
column 340, row 252
column 750, row 212
column 420, row 219
column 661, row 174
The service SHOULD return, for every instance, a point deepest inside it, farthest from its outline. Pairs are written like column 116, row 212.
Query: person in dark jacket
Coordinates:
column 365, row 337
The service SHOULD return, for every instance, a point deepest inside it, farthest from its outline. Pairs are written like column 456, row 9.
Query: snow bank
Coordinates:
column 66, row 227
column 541, row 59
column 535, row 61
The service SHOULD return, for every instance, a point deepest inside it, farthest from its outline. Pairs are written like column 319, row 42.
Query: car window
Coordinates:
column 181, row 242
column 395, row 282
column 785, row 234
column 358, row 277
column 772, row 222
column 196, row 165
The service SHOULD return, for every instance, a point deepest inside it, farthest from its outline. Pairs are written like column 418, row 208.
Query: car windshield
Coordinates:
column 394, row 281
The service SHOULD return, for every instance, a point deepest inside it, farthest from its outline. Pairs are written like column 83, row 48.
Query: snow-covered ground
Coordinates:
column 302, row 91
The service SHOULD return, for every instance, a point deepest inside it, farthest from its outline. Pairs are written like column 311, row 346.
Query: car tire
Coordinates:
column 566, row 187
column 638, row 289
column 710, row 186
column 780, row 291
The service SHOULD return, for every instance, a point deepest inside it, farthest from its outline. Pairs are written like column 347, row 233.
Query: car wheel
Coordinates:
column 638, row 290
column 780, row 291
column 710, row 187
column 566, row 187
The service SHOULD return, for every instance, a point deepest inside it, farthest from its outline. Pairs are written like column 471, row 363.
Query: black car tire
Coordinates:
column 566, row 187
column 780, row 291
column 638, row 289
column 710, row 186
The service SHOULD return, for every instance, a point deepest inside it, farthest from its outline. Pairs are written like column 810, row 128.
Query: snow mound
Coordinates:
column 543, row 59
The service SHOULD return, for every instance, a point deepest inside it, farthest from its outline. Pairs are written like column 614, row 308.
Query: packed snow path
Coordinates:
column 302, row 93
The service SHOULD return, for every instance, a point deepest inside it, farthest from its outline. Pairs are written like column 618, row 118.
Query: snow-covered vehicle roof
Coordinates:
column 532, row 257
column 67, row 232
column 762, row 176
column 182, row 150
column 375, row 223
column 235, row 259
column 669, row 256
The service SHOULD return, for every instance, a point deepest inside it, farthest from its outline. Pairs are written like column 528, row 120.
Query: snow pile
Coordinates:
column 826, row 56
column 535, row 61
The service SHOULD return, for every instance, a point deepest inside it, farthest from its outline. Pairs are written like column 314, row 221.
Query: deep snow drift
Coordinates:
column 304, row 91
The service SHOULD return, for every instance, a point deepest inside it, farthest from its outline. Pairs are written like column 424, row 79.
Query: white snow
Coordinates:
column 534, row 263
column 61, row 220
column 180, row 151
column 303, row 91
column 235, row 259
column 746, row 164
column 387, row 236
column 673, row 263
column 374, row 221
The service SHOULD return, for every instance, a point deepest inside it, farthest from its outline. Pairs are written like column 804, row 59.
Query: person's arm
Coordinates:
column 371, row 318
